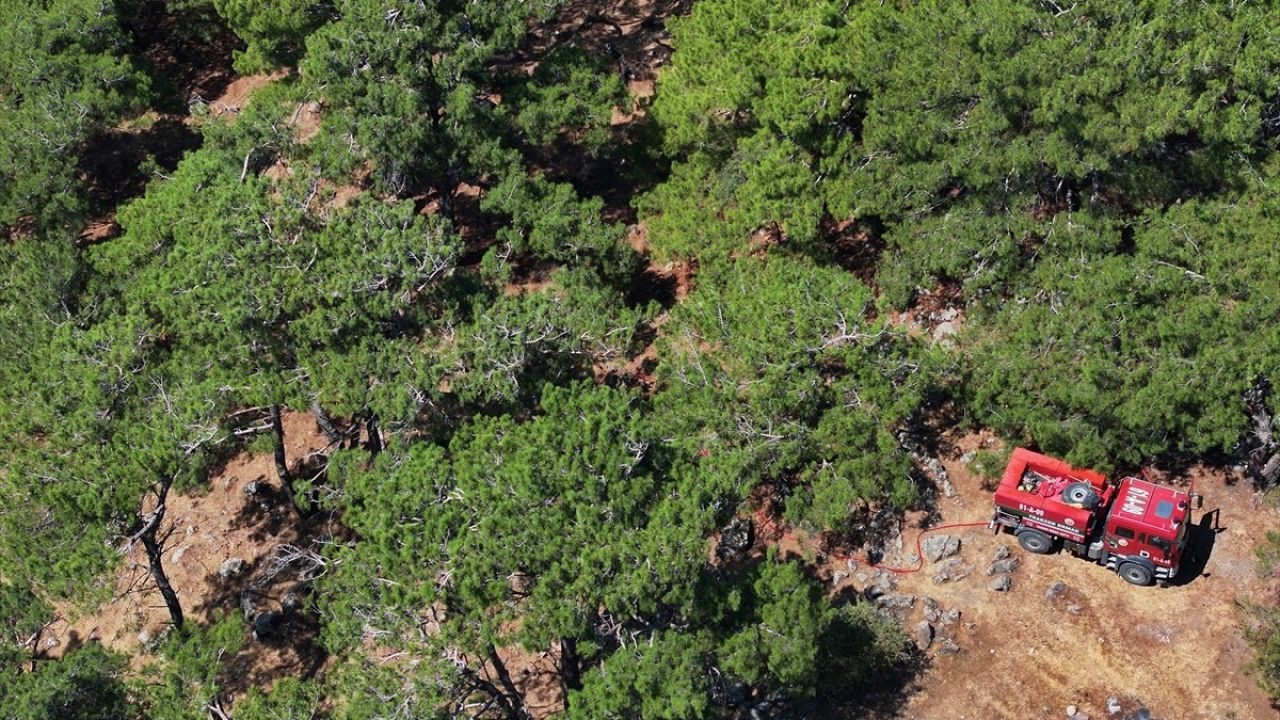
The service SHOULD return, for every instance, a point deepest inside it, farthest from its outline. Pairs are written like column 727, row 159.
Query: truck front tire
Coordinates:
column 1135, row 573
column 1034, row 541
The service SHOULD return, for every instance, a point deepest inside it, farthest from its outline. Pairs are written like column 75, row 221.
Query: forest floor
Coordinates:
column 1036, row 649
column 241, row 515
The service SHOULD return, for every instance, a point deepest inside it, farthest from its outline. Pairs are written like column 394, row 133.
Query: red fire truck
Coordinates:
column 1135, row 527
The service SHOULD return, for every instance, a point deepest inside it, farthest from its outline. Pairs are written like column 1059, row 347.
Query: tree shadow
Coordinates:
column 291, row 650
column 267, row 510
column 113, row 165
column 855, row 246
column 189, row 50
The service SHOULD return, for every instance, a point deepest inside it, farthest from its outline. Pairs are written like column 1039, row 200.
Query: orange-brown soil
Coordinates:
column 1030, row 653
column 204, row 529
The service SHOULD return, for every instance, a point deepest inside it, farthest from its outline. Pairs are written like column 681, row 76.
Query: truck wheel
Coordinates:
column 1034, row 541
column 1135, row 573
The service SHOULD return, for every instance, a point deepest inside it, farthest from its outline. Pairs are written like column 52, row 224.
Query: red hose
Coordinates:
column 919, row 550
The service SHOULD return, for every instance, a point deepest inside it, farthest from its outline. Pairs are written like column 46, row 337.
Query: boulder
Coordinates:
column 1002, row 552
column 924, row 635
column 231, row 567
column 1055, row 591
column 735, row 539
column 938, row 547
column 248, row 605
column 948, row 647
column 267, row 625
column 1003, row 583
column 1006, row 565
column 950, row 570
column 896, row 602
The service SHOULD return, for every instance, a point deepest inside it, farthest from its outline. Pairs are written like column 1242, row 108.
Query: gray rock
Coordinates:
column 896, row 602
column 838, row 577
column 1074, row 609
column 932, row 610
column 948, row 647
column 934, row 468
column 1141, row 714
column 735, row 539
column 1006, row 565
column 231, row 567
column 924, row 635
column 1080, row 716
column 862, row 577
column 1003, row 583
column 1055, row 591
column 248, row 605
column 1002, row 552
column 253, row 487
column 1071, row 711
column 1113, row 703
column 950, row 570
column 177, row 554
column 937, row 547
column 267, row 625
column 944, row 330
column 151, row 642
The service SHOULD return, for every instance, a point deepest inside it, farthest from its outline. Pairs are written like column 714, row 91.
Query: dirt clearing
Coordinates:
column 1069, row 632
column 242, row 516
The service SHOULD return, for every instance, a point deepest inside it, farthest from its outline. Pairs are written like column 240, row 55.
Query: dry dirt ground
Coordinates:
column 206, row 529
column 1028, row 653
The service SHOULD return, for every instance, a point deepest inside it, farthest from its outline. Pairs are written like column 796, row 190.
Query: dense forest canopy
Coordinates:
column 534, row 443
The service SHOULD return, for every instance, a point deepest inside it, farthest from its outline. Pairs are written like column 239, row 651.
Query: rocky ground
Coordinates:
column 1007, row 634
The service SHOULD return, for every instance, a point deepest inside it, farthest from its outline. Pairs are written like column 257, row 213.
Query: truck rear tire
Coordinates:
column 1034, row 541
column 1135, row 573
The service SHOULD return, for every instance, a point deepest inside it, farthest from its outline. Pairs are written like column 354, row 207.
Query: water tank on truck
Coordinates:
column 1135, row 527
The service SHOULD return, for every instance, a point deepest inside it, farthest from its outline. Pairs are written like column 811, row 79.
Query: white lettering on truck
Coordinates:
column 1135, row 503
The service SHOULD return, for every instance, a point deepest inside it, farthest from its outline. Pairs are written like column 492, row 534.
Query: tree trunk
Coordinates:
column 570, row 667
column 326, row 424
column 517, row 703
column 155, row 558
column 374, row 442
column 282, row 465
column 155, row 553
column 492, row 691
